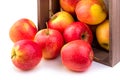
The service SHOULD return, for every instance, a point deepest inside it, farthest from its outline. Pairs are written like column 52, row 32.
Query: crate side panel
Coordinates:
column 101, row 55
column 114, row 32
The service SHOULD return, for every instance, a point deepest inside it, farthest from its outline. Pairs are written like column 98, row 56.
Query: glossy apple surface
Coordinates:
column 22, row 29
column 102, row 34
column 77, row 55
column 78, row 31
column 60, row 21
column 92, row 12
column 26, row 54
column 69, row 5
column 51, row 42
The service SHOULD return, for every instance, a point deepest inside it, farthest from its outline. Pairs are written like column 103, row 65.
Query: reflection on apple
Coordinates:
column 60, row 20
column 77, row 55
column 50, row 41
column 91, row 12
column 69, row 5
column 22, row 29
column 78, row 31
column 26, row 54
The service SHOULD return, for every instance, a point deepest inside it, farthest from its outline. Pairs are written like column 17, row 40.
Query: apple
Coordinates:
column 60, row 20
column 26, row 54
column 22, row 29
column 91, row 12
column 69, row 5
column 102, row 34
column 77, row 55
column 50, row 41
column 78, row 30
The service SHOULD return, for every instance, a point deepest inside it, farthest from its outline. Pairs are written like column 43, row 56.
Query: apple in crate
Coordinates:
column 22, row 29
column 77, row 55
column 69, row 5
column 102, row 34
column 91, row 12
column 51, row 42
column 78, row 30
column 60, row 20
column 26, row 54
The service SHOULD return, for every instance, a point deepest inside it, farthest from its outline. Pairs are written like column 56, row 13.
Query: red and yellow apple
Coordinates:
column 102, row 34
column 77, row 55
column 69, row 5
column 50, row 41
column 78, row 30
column 92, row 12
column 26, row 54
column 60, row 20
column 22, row 29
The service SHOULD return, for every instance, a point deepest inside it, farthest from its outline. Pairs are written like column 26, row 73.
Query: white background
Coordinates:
column 12, row 10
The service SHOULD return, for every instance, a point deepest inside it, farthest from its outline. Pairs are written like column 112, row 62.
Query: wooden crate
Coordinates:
column 108, row 58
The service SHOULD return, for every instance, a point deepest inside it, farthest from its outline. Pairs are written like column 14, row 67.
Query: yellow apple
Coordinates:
column 60, row 20
column 102, row 34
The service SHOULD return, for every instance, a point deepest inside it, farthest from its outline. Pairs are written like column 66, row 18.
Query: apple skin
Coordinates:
column 78, row 30
column 24, row 28
column 26, row 54
column 77, row 55
column 69, row 5
column 60, row 20
column 51, row 42
column 102, row 34
column 91, row 12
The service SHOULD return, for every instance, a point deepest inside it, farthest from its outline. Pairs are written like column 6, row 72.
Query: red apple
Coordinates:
column 69, row 5
column 78, row 30
column 60, row 21
column 26, row 54
column 22, row 29
column 77, row 55
column 92, row 12
column 51, row 42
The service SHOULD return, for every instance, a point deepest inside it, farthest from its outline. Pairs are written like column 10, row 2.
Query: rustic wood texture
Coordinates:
column 45, row 7
column 110, row 58
column 114, row 16
column 43, row 10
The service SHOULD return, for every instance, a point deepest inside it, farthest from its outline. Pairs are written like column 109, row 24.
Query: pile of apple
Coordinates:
column 68, row 35
column 94, row 13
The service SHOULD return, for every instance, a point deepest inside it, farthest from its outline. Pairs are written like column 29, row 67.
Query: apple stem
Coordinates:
column 13, row 54
column 97, row 59
column 47, row 28
column 51, row 13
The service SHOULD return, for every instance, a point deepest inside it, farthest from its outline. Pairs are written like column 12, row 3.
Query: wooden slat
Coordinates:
column 44, row 11
column 114, row 12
